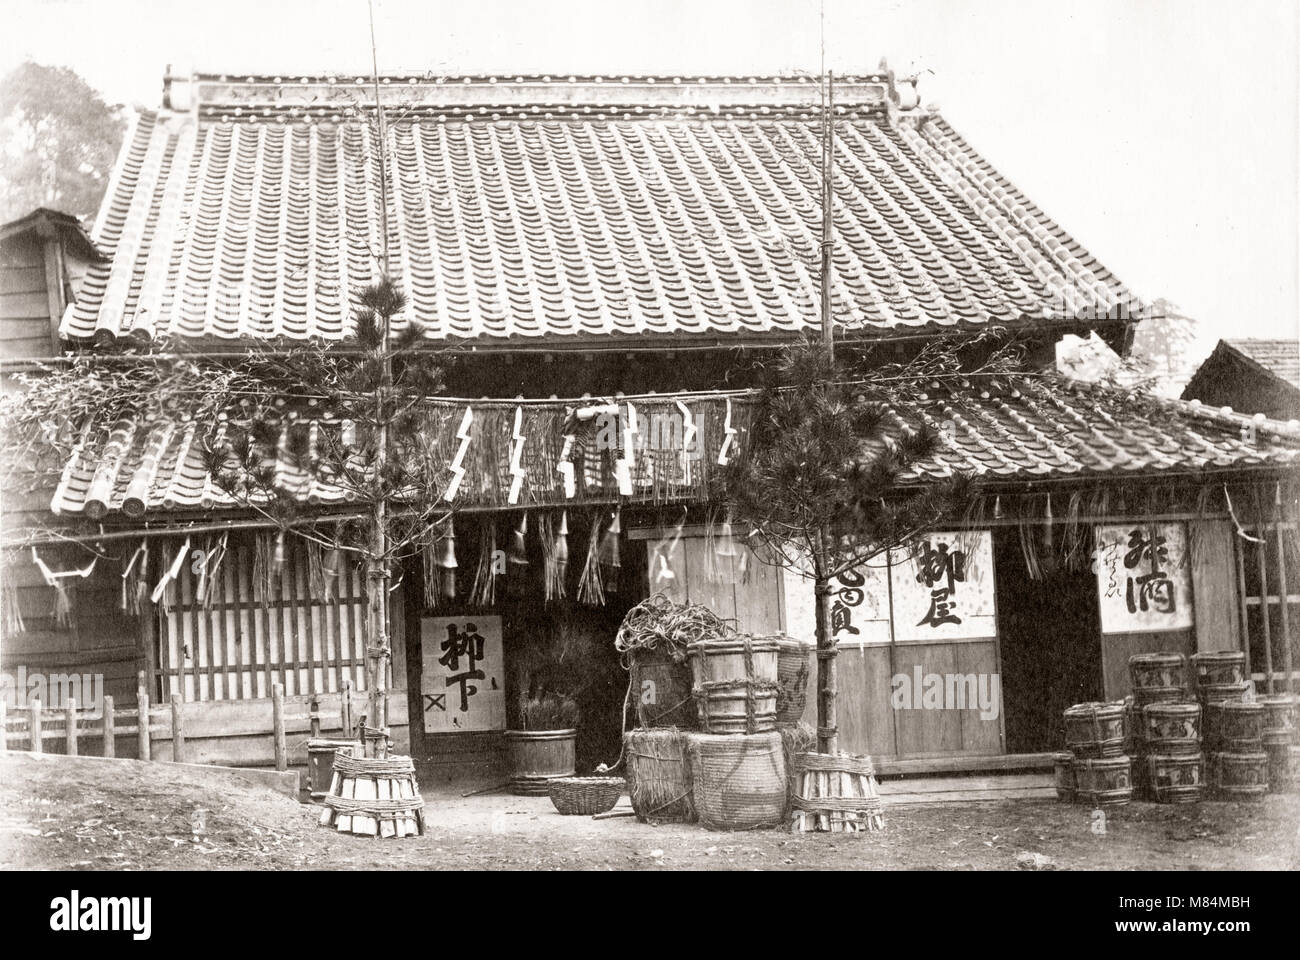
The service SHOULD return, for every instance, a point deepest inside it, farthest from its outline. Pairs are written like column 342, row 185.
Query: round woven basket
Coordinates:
column 584, row 796
column 738, row 780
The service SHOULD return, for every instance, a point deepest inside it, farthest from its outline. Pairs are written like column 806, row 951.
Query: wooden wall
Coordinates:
column 31, row 298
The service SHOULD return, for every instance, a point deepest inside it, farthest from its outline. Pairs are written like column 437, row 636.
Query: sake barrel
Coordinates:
column 1241, row 726
column 1172, row 729
column 1095, row 729
column 792, row 667
column 1063, row 776
column 537, row 756
column 1219, row 668
column 1280, row 714
column 661, row 690
column 735, row 684
column 1175, row 779
column 1277, row 747
column 1103, row 781
column 1222, row 692
column 1157, row 671
column 1242, row 776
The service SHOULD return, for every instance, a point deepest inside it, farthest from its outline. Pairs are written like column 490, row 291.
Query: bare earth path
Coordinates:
column 69, row 813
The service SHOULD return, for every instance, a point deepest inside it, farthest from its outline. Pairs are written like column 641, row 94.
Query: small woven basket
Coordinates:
column 584, row 796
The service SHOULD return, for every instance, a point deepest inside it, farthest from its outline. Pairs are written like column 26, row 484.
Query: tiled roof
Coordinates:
column 1024, row 432
column 562, row 210
column 1279, row 357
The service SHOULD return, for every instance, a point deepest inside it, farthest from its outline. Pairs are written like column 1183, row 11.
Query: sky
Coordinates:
column 1163, row 134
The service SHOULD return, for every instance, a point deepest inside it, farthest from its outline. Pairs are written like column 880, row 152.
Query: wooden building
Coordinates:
column 1250, row 376
column 637, row 245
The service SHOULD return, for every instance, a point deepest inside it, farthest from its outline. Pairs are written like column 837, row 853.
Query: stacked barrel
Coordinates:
column 1096, row 771
column 1280, row 739
column 737, row 762
column 1167, row 729
column 1234, row 725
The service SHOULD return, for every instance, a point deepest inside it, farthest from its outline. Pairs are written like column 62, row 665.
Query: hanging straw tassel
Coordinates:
column 430, row 570
column 609, row 553
column 590, row 590
column 517, row 556
column 552, row 567
column 484, row 590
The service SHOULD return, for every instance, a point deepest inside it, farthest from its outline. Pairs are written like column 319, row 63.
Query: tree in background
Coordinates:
column 58, row 141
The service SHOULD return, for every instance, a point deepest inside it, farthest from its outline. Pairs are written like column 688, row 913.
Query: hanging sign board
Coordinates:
column 943, row 588
column 462, row 685
column 1143, row 577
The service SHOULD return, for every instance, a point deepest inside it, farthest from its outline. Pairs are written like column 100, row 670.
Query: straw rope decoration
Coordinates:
column 658, row 623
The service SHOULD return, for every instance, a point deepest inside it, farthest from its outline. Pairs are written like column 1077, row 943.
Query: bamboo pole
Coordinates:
column 142, row 721
column 178, row 730
column 110, row 729
column 34, row 727
column 4, row 730
column 277, row 726
column 70, row 727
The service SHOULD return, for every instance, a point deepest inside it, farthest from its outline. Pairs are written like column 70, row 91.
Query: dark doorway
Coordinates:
column 1050, row 639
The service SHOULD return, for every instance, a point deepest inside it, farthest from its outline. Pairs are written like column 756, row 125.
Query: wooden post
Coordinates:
column 313, row 718
column 70, row 727
column 827, row 740
column 277, row 725
column 4, row 730
column 178, row 730
column 345, row 703
column 142, row 721
column 34, row 727
column 1283, row 614
column 110, row 729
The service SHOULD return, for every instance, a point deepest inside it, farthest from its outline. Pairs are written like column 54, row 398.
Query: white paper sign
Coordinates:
column 462, row 685
column 860, row 605
column 944, row 589
column 1143, row 577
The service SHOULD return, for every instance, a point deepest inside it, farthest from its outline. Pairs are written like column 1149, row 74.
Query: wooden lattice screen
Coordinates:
column 239, row 640
column 1268, row 574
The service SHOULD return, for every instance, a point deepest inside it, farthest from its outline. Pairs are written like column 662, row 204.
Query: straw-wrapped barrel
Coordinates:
column 738, row 781
column 658, row 776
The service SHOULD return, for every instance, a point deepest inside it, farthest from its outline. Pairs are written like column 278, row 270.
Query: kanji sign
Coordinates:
column 462, row 686
column 943, row 589
column 1143, row 578
column 860, row 605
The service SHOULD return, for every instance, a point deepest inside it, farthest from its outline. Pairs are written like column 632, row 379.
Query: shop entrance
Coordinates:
column 1051, row 639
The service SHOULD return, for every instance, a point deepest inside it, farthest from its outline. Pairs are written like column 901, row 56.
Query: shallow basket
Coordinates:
column 584, row 796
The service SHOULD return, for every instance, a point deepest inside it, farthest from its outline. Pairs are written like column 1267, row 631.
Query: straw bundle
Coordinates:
column 796, row 740
column 658, row 776
column 738, row 780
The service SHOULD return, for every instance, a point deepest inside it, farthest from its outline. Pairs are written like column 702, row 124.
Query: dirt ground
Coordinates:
column 70, row 813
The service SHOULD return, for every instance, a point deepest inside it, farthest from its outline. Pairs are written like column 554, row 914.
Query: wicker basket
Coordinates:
column 584, row 796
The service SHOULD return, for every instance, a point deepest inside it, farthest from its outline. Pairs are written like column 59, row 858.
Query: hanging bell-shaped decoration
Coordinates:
column 561, row 553
column 997, row 508
column 609, row 551
column 518, row 552
column 447, row 548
